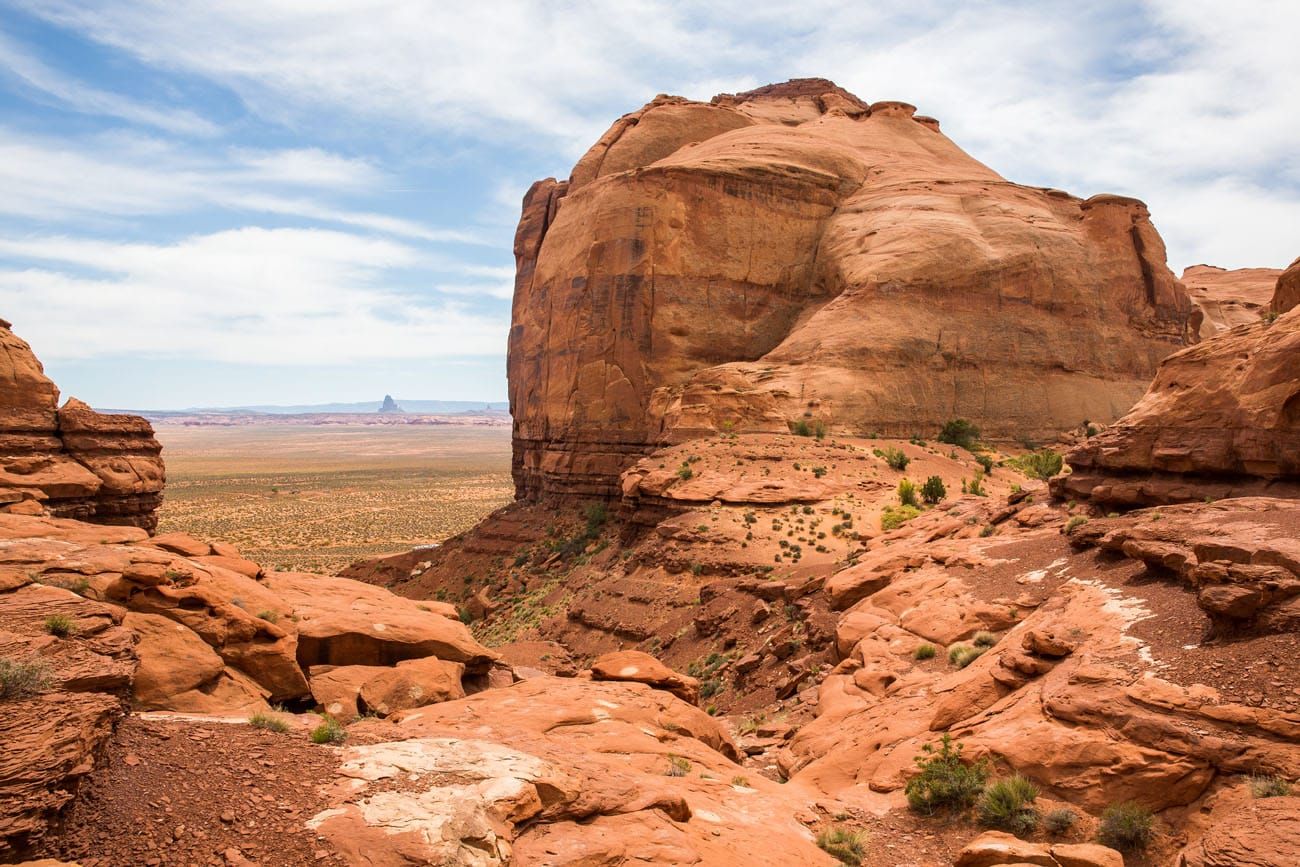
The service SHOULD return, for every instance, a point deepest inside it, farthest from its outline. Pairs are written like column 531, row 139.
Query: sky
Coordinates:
column 303, row 201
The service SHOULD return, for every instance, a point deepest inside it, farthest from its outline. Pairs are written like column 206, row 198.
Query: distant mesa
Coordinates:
column 390, row 405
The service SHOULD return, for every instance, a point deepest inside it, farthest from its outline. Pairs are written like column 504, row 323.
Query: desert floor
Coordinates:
column 318, row 497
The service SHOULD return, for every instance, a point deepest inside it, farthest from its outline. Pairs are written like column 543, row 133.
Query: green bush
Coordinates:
column 330, row 731
column 268, row 722
column 1127, row 827
column 1042, row 464
column 986, row 463
column 19, row 679
column 1269, row 787
column 677, row 766
column 268, row 615
column 684, row 472
column 933, row 490
column 959, row 432
column 984, row 639
column 60, row 625
column 1074, row 523
column 1008, row 806
column 894, row 458
column 892, row 518
column 907, row 493
column 962, row 655
column 945, row 781
column 925, row 651
column 1057, row 822
column 849, row 847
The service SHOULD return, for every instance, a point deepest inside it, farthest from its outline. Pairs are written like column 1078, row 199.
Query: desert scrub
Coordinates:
column 677, row 766
column 268, row 722
column 962, row 655
column 684, row 472
column 933, row 490
column 1269, row 787
column 984, row 639
column 269, row 616
column 975, row 485
column 22, row 678
column 985, row 462
column 925, row 651
column 907, row 493
column 959, row 432
column 60, row 626
column 892, row 518
column 1126, row 827
column 945, row 781
column 1042, row 464
column 330, row 731
column 893, row 457
column 1074, row 523
column 740, row 782
column 1008, row 805
column 848, row 847
column 1057, row 822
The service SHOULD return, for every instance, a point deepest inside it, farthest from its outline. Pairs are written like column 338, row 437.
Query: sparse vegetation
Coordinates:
column 1008, row 805
column 677, row 766
column 1127, row 827
column 330, row 731
column 893, row 457
column 1074, row 523
column 986, row 463
column 925, row 651
column 894, row 517
column 268, row 722
column 933, row 490
column 60, row 626
column 269, row 616
column 848, row 847
column 1041, row 464
column 975, row 485
column 1058, row 822
column 22, row 678
column 907, row 493
column 1269, row 787
column 684, row 472
column 959, row 432
column 945, row 781
column 962, row 655
column 984, row 639
column 742, row 782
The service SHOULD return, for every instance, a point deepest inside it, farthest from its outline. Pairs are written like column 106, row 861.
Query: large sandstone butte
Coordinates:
column 795, row 253
column 70, row 461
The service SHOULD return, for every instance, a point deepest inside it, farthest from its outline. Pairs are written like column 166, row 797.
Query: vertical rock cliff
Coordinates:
column 796, row 253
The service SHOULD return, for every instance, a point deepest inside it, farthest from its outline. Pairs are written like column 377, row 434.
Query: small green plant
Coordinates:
column 933, row 490
column 945, row 781
column 986, row 463
column 677, row 766
column 268, row 722
column 975, row 485
column 1127, row 827
column 684, row 472
column 818, row 472
column 962, row 655
column 1042, row 464
column 1008, row 806
column 984, row 639
column 1269, row 787
column 1058, row 822
column 742, row 782
column 269, row 616
column 925, row 651
column 892, row 518
column 907, row 493
column 330, row 731
column 1074, row 523
column 848, row 847
column 894, row 458
column 60, row 626
column 959, row 432
column 19, row 679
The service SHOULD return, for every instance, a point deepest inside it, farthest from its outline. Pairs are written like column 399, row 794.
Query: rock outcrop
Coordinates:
column 1222, row 419
column 71, row 462
column 793, row 253
column 1287, row 294
column 1227, row 298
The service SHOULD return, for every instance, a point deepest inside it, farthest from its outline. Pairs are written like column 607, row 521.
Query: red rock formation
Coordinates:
column 1225, row 299
column 1287, row 294
column 1222, row 419
column 793, row 252
column 71, row 462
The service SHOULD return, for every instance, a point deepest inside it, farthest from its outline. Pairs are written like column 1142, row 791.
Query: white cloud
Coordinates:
column 34, row 74
column 251, row 295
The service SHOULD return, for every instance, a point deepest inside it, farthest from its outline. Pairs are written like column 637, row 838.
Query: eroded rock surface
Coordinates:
column 1227, row 298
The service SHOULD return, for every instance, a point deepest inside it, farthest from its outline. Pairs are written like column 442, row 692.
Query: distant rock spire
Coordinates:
column 390, row 405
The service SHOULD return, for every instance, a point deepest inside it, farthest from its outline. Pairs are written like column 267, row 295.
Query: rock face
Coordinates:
column 71, row 462
column 795, row 253
column 389, row 405
column 1225, row 299
column 1287, row 294
column 1222, row 419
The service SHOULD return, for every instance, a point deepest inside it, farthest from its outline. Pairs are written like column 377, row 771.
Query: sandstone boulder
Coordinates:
column 633, row 665
column 1262, row 833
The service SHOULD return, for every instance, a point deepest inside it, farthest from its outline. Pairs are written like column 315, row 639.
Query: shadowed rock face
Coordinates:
column 71, row 462
column 794, row 252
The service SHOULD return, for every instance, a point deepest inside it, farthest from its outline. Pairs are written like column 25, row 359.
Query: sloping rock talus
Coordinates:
column 1222, row 419
column 795, row 253
column 71, row 462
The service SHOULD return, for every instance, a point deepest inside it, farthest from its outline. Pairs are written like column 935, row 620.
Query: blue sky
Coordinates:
column 296, row 201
